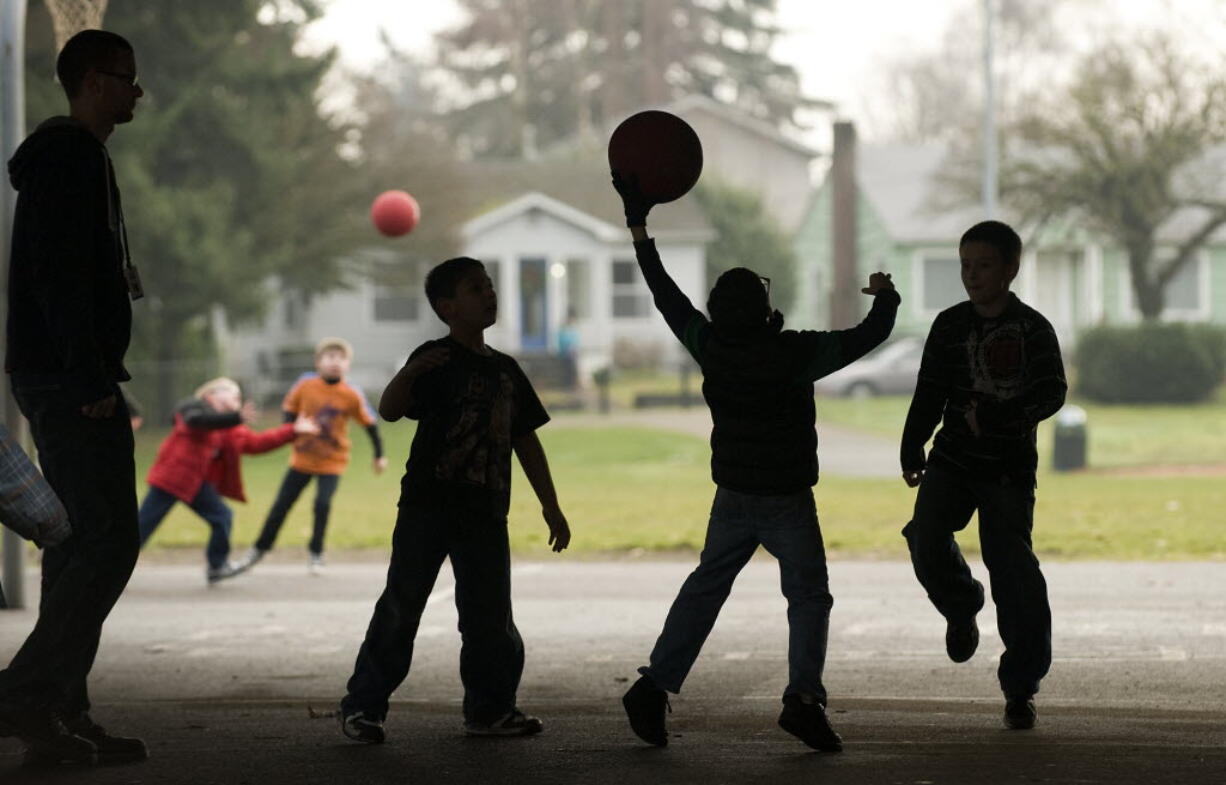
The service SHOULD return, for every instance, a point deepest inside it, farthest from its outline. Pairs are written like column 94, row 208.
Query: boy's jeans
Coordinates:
column 208, row 504
column 491, row 652
column 944, row 505
column 787, row 527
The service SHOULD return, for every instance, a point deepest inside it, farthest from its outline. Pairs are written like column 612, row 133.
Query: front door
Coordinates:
column 533, row 305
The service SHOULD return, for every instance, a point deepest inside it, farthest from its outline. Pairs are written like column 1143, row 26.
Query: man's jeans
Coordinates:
column 944, row 505
column 787, row 527
column 89, row 464
column 208, row 504
column 491, row 651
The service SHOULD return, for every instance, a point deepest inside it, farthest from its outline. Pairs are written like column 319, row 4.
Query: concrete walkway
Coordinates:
column 223, row 682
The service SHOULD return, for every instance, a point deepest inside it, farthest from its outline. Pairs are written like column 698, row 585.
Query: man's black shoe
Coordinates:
column 1020, row 713
column 43, row 732
column 808, row 722
column 111, row 749
column 961, row 640
column 645, row 705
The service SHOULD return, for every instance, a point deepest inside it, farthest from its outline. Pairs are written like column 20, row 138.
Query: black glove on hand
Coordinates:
column 635, row 204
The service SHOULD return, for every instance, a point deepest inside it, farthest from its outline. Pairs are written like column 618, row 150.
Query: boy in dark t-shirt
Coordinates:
column 474, row 406
column 758, row 381
column 991, row 371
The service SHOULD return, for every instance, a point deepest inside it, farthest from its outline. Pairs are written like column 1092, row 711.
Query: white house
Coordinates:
column 553, row 239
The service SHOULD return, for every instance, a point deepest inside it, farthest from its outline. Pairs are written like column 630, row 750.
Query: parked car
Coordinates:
column 889, row 369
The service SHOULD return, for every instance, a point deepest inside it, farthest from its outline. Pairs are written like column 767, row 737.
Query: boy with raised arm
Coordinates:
column 758, row 380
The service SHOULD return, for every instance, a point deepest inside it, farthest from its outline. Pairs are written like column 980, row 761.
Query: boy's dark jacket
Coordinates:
column 1008, row 368
column 207, row 445
column 70, row 319
column 760, row 387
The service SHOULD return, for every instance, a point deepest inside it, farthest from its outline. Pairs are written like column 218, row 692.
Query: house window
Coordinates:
column 398, row 293
column 1183, row 293
column 295, row 309
column 579, row 288
column 942, row 283
column 630, row 296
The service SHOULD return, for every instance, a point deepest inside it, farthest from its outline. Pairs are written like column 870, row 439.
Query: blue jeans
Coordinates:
column 944, row 505
column 787, row 527
column 208, row 504
column 491, row 650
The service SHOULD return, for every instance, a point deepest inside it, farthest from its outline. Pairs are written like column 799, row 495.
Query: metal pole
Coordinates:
column 12, row 131
column 990, row 187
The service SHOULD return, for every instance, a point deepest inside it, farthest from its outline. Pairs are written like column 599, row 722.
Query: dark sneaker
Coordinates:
column 227, row 570
column 808, row 722
column 646, row 705
column 359, row 727
column 1020, row 712
column 514, row 724
column 45, row 734
column 111, row 749
column 961, row 640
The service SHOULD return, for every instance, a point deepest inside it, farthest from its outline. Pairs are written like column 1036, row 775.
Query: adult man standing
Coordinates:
column 69, row 326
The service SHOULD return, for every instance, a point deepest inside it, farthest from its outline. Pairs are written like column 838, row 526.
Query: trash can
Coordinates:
column 1069, row 445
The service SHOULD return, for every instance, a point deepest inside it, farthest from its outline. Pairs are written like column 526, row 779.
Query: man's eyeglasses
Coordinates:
column 766, row 282
column 128, row 79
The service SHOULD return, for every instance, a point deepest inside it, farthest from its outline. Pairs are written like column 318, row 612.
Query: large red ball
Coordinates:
column 661, row 150
column 395, row 213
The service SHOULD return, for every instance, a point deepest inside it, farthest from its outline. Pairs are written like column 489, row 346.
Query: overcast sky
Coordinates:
column 838, row 47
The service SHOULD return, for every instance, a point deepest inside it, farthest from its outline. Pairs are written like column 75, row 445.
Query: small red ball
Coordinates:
column 395, row 213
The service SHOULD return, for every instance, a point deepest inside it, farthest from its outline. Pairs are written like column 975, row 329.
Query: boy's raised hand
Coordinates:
column 559, row 529
column 877, row 282
column 634, row 203
column 306, row 425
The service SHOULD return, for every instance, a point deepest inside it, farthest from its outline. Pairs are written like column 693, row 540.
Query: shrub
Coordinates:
column 1151, row 363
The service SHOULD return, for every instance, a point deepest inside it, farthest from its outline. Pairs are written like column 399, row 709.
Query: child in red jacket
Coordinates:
column 198, row 464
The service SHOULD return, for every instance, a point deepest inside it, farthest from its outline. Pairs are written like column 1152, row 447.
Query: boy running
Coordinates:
column 991, row 372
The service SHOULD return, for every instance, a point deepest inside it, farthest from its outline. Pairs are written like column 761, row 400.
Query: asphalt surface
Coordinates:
column 223, row 682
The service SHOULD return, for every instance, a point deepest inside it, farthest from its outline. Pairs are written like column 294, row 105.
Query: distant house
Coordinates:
column 553, row 238
column 907, row 227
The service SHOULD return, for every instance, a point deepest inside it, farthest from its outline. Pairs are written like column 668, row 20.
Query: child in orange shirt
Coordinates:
column 327, row 398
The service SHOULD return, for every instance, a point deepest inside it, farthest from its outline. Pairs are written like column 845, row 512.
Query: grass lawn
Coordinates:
column 629, row 489
column 1157, row 435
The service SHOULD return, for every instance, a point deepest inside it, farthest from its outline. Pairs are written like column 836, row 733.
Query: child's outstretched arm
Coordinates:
column 398, row 399
column 682, row 317
column 839, row 348
column 536, row 469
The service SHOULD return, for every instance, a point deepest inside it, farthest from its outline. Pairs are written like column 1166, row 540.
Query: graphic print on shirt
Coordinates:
column 996, row 356
column 326, row 441
column 480, row 434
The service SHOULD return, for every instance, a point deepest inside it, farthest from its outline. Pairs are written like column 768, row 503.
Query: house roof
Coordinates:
column 579, row 184
column 700, row 103
column 902, row 184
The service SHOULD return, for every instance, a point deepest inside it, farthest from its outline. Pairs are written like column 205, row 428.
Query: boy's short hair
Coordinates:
column 442, row 280
column 87, row 49
column 739, row 301
column 997, row 234
column 334, row 344
column 220, row 383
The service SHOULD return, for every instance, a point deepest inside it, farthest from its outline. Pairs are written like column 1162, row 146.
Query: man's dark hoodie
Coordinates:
column 69, row 319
